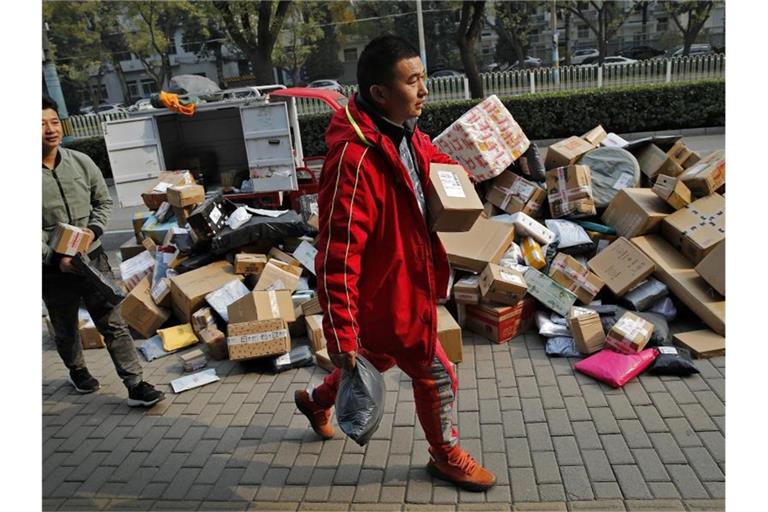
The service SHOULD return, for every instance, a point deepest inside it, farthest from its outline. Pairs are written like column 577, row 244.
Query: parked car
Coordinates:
column 332, row 85
column 446, row 73
column 696, row 49
column 579, row 56
column 614, row 60
column 529, row 62
column 640, row 52
column 104, row 108
column 141, row 105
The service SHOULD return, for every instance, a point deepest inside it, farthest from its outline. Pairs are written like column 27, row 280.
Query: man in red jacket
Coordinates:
column 379, row 269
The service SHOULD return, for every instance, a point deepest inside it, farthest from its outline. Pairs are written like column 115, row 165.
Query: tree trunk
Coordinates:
column 262, row 69
column 219, row 65
column 466, row 40
column 121, row 78
column 567, row 38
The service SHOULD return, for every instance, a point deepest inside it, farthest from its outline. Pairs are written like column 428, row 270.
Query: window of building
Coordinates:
column 350, row 55
column 487, row 51
column 133, row 89
column 104, row 93
column 148, row 87
column 662, row 24
column 583, row 31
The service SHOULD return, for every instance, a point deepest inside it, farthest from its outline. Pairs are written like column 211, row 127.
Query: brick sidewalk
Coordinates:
column 557, row 440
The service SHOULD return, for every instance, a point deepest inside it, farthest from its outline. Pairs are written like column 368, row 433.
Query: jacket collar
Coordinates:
column 384, row 125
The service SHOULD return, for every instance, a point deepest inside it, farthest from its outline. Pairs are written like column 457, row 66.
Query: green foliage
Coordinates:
column 562, row 114
column 95, row 148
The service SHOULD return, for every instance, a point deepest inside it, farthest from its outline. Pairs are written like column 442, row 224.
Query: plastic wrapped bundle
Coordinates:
column 562, row 346
column 645, row 294
column 571, row 237
column 103, row 284
column 296, row 358
column 258, row 227
column 548, row 328
column 664, row 307
column 613, row 169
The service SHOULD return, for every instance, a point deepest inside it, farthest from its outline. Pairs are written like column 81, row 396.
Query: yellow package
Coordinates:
column 177, row 337
column 532, row 253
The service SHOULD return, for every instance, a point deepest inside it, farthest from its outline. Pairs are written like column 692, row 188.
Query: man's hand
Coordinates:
column 93, row 237
column 65, row 265
column 344, row 360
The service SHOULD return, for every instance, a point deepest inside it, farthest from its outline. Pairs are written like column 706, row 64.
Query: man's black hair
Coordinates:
column 377, row 62
column 49, row 103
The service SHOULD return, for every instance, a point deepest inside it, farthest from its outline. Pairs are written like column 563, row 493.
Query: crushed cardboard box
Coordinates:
column 696, row 229
column 621, row 266
column 636, row 211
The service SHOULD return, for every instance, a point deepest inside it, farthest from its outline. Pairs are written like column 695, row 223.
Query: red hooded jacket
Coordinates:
column 379, row 270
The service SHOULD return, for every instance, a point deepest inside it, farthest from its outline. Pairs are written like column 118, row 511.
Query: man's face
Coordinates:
column 404, row 97
column 52, row 129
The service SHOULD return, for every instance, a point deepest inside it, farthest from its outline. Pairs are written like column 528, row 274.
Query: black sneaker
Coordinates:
column 83, row 381
column 144, row 394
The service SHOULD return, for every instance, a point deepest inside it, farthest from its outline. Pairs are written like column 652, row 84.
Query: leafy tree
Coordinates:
column 610, row 15
column 467, row 35
column 514, row 30
column 696, row 13
column 300, row 39
column 324, row 61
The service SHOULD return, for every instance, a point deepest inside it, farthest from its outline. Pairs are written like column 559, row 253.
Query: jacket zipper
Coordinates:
column 63, row 197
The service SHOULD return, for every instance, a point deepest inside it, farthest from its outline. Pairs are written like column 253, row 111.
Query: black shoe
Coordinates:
column 83, row 381
column 144, row 394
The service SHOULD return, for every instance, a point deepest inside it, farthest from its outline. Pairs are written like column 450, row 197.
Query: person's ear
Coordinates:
column 379, row 94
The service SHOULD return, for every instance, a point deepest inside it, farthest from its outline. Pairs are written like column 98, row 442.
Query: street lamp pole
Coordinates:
column 555, row 53
column 420, row 22
column 51, row 77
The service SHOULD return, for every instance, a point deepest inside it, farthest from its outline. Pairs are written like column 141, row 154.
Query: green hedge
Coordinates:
column 630, row 109
column 638, row 108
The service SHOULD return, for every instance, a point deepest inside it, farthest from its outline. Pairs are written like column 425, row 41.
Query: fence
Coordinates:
column 506, row 83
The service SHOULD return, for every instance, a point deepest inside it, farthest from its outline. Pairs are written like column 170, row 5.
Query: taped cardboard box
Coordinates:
column 550, row 293
column 449, row 335
column 630, row 334
column 276, row 277
column 138, row 220
column 485, row 243
column 673, row 191
column 246, row 263
column 70, row 240
column 587, row 330
column 283, row 257
column 595, row 136
column 158, row 193
column 323, row 360
column 140, row 311
column 654, row 160
column 262, row 305
column 572, row 275
column 696, row 229
column 452, row 203
column 315, row 334
column 311, row 307
column 569, row 191
column 215, row 341
column 183, row 196
column 500, row 324
column 188, row 290
column 703, row 344
column 707, row 175
column 566, row 152
column 513, row 193
column 203, row 318
column 133, row 270
column 635, row 211
column 262, row 338
column 674, row 270
column 621, row 266
column 90, row 337
column 485, row 140
column 467, row 290
column 712, row 268
column 502, row 285
column 222, row 297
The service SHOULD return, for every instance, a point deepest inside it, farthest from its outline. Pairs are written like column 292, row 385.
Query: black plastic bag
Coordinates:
column 673, row 361
column 259, row 227
column 102, row 283
column 296, row 358
column 360, row 401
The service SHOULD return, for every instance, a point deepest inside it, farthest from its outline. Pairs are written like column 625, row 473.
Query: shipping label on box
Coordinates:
column 246, row 263
column 574, row 276
column 250, row 340
column 485, row 140
column 587, row 330
column 513, row 193
column 566, row 152
column 499, row 324
column 549, row 292
column 502, row 285
column 673, row 191
column 707, row 175
column 635, row 211
column 621, row 266
column 132, row 271
column 630, row 334
column 696, row 229
column 569, row 191
column 452, row 203
column 70, row 240
column 467, row 290
column 222, row 297
column 449, row 335
column 305, row 253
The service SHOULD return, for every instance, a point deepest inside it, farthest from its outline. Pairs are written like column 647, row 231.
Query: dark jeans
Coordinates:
column 62, row 294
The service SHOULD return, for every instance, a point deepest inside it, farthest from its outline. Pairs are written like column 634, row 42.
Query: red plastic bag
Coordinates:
column 615, row 368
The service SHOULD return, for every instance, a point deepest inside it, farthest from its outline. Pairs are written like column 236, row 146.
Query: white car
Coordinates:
column 104, row 108
column 578, row 56
column 325, row 84
column 696, row 49
column 446, row 73
column 617, row 60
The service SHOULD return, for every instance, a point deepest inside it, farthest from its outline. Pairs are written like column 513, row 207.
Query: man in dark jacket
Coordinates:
column 380, row 271
column 74, row 192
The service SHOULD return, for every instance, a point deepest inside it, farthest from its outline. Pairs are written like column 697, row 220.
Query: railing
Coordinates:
column 506, row 83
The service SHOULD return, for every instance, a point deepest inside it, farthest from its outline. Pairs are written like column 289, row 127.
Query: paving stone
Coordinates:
column 597, row 465
column 468, row 400
column 528, row 387
column 650, row 418
column 686, row 481
column 716, row 489
column 604, row 421
column 667, row 448
column 547, row 469
column 212, row 470
column 607, row 490
column 663, row 490
column 569, row 386
column 508, row 403
column 621, row 407
column 577, row 408
column 533, row 410
column 181, row 482
column 487, row 389
column 518, row 452
column 680, row 392
column 396, row 472
column 349, row 469
column 698, row 417
column 293, row 493
column 715, row 443
column 419, row 487
column 703, row 464
column 559, row 424
column 650, row 465
column 616, row 449
column 683, row 432
column 567, row 451
column 576, row 482
column 718, row 387
column 128, row 467
column 634, row 434
column 272, row 484
column 534, row 507
column 654, row 506
column 552, row 492
column 489, row 411
column 286, row 454
column 538, row 436
column 709, row 505
column 512, row 422
column 720, row 421
column 444, row 495
column 631, row 482
column 392, row 494
column 469, row 425
column 524, row 488
column 201, row 453
column 593, row 396
column 319, row 486
column 710, row 402
column 666, row 405
column 586, row 435
column 551, row 398
column 523, row 368
column 652, row 383
column 636, row 393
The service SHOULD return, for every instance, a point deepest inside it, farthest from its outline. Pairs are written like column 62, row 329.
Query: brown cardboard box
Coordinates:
column 707, row 175
column 262, row 305
column 215, row 340
column 130, row 249
column 467, row 290
column 500, row 324
column 566, row 152
column 323, row 360
column 595, row 136
column 246, row 263
column 502, row 285
column 635, row 211
column 273, row 277
column 569, row 190
column 90, row 337
column 587, row 330
column 314, row 221
column 621, row 266
column 188, row 290
column 630, row 334
column 155, row 195
column 693, row 158
column 203, row 318
column 702, row 344
column 251, row 340
column 452, row 203
column 182, row 214
column 674, row 270
column 449, row 335
column 315, row 332
column 673, row 191
column 311, row 307
column 283, row 257
column 139, row 218
column 485, row 243
column 573, row 276
column 70, row 240
column 161, row 293
column 653, row 160
column 712, row 268
column 513, row 193
column 676, row 157
column 141, row 313
column 182, row 196
column 696, row 229
column 288, row 267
